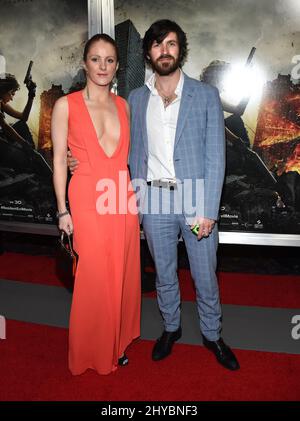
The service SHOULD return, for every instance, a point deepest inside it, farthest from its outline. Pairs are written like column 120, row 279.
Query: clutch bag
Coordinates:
column 67, row 248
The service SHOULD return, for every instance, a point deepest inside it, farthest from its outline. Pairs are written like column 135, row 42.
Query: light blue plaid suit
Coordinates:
column 199, row 153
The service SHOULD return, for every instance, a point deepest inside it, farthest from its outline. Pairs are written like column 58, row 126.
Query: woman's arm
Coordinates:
column 10, row 131
column 59, row 135
column 17, row 114
column 31, row 86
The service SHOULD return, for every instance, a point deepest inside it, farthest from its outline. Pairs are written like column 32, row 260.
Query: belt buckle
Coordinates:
column 163, row 184
column 171, row 185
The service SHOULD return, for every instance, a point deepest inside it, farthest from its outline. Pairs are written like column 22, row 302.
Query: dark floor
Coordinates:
column 231, row 258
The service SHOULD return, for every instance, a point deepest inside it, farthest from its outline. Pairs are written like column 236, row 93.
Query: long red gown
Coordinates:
column 105, row 313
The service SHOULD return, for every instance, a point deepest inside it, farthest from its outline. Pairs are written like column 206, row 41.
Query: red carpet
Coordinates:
column 33, row 366
column 282, row 291
column 28, row 268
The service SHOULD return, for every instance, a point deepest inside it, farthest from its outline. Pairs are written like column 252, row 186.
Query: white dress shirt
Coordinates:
column 161, row 129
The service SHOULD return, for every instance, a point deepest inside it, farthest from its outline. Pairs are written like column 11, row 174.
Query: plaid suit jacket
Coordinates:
column 199, row 149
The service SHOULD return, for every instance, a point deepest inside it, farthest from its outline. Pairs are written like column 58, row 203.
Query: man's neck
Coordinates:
column 168, row 83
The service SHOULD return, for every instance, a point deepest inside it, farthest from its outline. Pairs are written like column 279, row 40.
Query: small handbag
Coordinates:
column 67, row 248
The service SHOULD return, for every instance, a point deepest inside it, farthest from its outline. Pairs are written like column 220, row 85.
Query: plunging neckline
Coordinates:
column 94, row 129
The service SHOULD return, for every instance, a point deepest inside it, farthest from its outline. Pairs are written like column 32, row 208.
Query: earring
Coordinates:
column 114, row 84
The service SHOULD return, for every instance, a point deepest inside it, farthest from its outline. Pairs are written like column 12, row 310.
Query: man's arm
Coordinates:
column 129, row 104
column 215, row 155
column 214, row 162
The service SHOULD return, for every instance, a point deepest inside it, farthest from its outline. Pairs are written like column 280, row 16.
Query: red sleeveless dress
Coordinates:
column 105, row 313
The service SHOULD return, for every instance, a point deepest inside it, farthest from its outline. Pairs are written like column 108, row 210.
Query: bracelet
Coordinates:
column 59, row 215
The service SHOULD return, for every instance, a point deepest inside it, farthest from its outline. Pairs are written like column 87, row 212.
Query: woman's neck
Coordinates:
column 96, row 93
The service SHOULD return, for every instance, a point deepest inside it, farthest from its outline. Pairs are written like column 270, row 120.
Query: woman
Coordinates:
column 20, row 131
column 17, row 148
column 94, row 124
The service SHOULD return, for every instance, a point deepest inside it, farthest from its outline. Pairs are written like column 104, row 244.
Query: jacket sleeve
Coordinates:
column 215, row 155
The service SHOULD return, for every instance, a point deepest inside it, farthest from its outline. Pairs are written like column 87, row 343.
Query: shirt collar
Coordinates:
column 151, row 84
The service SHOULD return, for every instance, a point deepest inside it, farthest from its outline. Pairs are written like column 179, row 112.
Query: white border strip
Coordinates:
column 259, row 239
column 226, row 237
column 101, row 17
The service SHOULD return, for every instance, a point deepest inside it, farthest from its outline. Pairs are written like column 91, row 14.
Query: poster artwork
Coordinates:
column 250, row 52
column 40, row 48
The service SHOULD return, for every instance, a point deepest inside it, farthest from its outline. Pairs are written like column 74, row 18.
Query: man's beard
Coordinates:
column 165, row 68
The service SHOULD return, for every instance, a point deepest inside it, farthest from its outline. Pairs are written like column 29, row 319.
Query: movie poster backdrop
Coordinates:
column 249, row 50
column 41, row 45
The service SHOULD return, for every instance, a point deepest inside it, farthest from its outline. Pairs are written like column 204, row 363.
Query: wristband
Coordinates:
column 59, row 215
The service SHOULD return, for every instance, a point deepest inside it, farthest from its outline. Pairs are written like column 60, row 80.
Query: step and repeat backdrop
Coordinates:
column 249, row 50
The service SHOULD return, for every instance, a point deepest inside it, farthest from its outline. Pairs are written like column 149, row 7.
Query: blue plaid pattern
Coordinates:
column 199, row 153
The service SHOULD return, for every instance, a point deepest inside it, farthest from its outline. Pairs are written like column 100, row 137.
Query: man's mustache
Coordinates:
column 165, row 56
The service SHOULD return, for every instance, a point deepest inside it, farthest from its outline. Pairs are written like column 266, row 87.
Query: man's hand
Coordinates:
column 72, row 163
column 205, row 226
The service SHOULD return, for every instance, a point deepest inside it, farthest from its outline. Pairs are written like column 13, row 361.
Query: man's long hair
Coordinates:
column 158, row 32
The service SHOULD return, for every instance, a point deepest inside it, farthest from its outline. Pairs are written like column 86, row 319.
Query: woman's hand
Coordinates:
column 31, row 86
column 65, row 224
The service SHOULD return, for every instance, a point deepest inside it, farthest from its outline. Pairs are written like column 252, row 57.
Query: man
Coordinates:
column 177, row 136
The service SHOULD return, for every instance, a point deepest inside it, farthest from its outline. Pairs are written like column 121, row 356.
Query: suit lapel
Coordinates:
column 185, row 105
column 143, row 114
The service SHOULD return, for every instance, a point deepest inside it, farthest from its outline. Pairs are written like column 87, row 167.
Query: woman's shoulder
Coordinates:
column 122, row 101
column 66, row 100
column 61, row 102
column 74, row 95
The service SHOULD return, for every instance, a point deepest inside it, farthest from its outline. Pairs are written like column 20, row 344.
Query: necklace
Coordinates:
column 167, row 99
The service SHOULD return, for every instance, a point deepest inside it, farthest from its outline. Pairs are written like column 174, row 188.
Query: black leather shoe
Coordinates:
column 123, row 360
column 222, row 352
column 164, row 344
